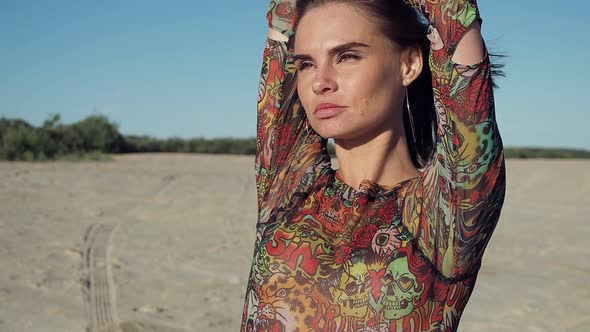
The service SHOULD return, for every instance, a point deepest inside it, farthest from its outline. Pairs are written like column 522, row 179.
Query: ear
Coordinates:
column 411, row 64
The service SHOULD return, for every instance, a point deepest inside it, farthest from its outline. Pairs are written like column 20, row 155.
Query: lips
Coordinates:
column 327, row 110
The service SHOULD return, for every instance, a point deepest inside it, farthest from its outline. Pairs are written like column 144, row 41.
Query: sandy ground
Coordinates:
column 166, row 242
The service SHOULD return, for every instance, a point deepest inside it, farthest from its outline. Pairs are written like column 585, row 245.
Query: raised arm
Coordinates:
column 462, row 189
column 285, row 148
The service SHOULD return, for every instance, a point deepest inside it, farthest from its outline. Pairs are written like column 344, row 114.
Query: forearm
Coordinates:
column 268, row 107
column 280, row 117
column 468, row 163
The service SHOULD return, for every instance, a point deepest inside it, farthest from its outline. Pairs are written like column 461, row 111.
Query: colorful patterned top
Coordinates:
column 329, row 257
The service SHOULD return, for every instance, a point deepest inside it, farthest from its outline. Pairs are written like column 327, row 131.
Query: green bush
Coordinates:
column 95, row 137
column 21, row 141
column 524, row 153
column 97, row 133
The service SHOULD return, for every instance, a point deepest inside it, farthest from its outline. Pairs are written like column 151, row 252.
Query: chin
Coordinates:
column 325, row 132
column 333, row 133
column 338, row 128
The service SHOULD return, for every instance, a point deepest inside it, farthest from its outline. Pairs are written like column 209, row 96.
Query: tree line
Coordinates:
column 96, row 135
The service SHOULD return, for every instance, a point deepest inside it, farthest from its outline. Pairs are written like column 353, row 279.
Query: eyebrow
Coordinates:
column 332, row 51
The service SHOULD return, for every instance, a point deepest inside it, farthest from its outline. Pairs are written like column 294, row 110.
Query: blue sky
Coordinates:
column 190, row 68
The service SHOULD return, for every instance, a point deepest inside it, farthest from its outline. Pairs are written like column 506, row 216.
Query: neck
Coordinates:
column 384, row 159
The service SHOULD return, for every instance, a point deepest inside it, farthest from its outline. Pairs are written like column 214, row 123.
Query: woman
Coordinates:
column 392, row 240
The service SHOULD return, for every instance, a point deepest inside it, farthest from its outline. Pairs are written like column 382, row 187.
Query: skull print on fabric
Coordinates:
column 400, row 289
column 352, row 289
column 329, row 257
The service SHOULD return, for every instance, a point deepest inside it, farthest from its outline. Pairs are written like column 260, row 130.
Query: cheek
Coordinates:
column 304, row 92
column 373, row 92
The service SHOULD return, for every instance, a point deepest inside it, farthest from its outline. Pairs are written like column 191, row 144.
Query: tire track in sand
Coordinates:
column 98, row 288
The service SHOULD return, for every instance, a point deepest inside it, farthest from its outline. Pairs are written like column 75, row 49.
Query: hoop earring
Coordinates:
column 410, row 116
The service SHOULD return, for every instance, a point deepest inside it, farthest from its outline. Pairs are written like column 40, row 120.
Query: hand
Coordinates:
column 281, row 16
column 275, row 35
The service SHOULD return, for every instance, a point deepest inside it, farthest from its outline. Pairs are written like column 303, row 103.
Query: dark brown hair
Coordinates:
column 406, row 27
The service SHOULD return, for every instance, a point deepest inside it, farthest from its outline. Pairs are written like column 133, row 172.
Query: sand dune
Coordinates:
column 164, row 243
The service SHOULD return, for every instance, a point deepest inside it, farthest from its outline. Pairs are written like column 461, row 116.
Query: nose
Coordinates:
column 324, row 81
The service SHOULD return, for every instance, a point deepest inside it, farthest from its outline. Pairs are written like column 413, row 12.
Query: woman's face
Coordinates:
column 342, row 58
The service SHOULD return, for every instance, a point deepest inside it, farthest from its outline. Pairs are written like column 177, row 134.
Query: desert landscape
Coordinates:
column 163, row 242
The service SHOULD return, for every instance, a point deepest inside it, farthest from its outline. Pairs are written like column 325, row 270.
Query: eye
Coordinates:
column 348, row 57
column 382, row 239
column 472, row 168
column 304, row 65
column 386, row 279
column 282, row 292
column 405, row 283
column 351, row 288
